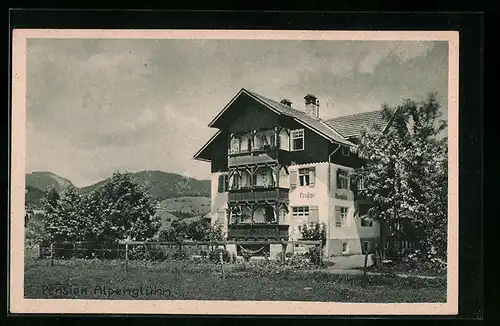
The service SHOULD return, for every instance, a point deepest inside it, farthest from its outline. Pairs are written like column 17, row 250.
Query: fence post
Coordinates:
column 283, row 253
column 366, row 262
column 221, row 264
column 51, row 254
column 321, row 254
column 126, row 256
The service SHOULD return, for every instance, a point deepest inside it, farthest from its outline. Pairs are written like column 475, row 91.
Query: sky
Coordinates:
column 95, row 106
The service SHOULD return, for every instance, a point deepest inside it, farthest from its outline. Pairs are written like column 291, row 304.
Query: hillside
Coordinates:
column 184, row 196
column 187, row 209
column 47, row 180
column 161, row 185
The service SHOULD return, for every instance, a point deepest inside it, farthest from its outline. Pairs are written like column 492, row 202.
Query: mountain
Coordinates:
column 161, row 185
column 178, row 196
column 46, row 180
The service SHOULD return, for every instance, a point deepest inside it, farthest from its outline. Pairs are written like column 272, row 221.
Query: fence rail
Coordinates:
column 140, row 250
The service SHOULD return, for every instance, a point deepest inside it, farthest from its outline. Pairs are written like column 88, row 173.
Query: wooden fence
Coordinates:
column 125, row 249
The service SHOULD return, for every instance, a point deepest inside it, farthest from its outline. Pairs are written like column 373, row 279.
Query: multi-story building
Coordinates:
column 275, row 167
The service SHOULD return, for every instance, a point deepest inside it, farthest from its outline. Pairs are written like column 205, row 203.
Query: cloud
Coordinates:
column 404, row 51
column 98, row 105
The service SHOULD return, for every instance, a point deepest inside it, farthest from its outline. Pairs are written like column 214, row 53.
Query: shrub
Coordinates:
column 246, row 255
column 137, row 253
column 299, row 261
column 314, row 255
column 179, row 255
column 156, row 255
column 214, row 255
column 313, row 231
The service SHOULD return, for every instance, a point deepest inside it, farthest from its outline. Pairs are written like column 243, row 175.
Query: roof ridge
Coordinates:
column 353, row 114
column 284, row 108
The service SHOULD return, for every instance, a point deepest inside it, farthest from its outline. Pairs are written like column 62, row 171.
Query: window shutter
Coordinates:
column 313, row 214
column 220, row 185
column 353, row 183
column 338, row 178
column 293, row 180
column 312, row 176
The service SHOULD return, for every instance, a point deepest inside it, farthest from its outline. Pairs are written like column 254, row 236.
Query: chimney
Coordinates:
column 312, row 106
column 286, row 102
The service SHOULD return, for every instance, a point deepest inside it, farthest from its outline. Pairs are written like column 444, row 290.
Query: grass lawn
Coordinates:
column 93, row 279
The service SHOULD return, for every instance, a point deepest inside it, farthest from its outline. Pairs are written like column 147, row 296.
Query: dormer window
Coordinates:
column 297, row 140
column 346, row 151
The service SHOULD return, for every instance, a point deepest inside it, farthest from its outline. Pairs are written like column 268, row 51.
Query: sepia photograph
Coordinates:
column 235, row 169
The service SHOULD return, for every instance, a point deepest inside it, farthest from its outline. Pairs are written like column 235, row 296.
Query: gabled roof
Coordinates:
column 317, row 125
column 198, row 156
column 351, row 125
column 322, row 127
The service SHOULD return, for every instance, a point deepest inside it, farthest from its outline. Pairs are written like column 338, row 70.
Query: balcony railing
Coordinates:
column 256, row 194
column 258, row 231
column 254, row 156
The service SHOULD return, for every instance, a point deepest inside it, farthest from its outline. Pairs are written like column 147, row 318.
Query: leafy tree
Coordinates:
column 125, row 210
column 119, row 210
column 405, row 173
column 35, row 229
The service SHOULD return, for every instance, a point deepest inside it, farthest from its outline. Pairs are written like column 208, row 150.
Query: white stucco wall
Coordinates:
column 309, row 196
column 218, row 203
column 352, row 233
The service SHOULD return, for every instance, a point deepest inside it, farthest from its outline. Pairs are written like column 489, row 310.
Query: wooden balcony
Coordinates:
column 255, row 156
column 258, row 195
column 257, row 231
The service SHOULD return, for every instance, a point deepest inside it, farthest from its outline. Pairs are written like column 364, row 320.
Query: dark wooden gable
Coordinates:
column 244, row 114
column 216, row 152
column 315, row 146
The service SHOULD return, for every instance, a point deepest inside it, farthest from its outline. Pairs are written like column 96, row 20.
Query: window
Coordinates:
column 284, row 139
column 366, row 247
column 345, row 151
column 342, row 179
column 306, row 177
column 249, row 144
column 345, row 247
column 236, row 178
column 300, row 211
column 272, row 140
column 341, row 216
column 223, row 183
column 361, row 183
column 235, row 144
column 297, row 140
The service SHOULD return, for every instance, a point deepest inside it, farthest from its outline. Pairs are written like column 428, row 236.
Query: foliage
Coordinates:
column 214, row 255
column 313, row 231
column 246, row 255
column 35, row 229
column 119, row 210
column 201, row 230
column 314, row 255
column 34, row 197
column 66, row 218
column 405, row 174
